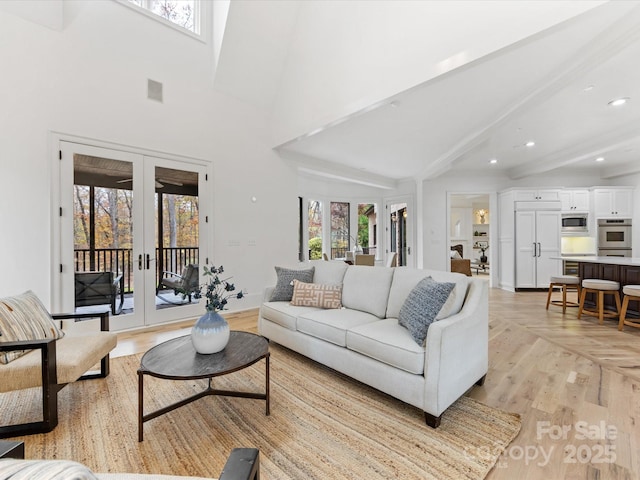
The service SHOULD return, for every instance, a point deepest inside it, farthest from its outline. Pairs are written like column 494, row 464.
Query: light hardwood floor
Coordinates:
column 575, row 383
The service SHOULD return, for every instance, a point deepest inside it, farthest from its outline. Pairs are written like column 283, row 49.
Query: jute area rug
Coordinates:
column 323, row 425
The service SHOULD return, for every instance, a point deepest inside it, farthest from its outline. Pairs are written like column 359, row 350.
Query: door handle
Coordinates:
column 539, row 250
column 148, row 260
column 140, row 262
column 535, row 254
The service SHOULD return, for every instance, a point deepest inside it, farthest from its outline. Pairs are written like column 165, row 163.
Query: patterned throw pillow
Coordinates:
column 316, row 295
column 23, row 317
column 422, row 306
column 44, row 470
column 284, row 286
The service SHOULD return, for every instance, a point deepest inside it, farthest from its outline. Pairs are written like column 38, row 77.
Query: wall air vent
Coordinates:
column 154, row 90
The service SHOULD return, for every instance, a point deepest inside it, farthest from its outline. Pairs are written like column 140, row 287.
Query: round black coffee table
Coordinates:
column 176, row 359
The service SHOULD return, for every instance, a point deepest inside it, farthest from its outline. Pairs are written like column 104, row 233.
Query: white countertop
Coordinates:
column 635, row 261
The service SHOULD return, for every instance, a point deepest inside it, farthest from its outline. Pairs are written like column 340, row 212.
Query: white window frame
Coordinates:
column 353, row 221
column 201, row 10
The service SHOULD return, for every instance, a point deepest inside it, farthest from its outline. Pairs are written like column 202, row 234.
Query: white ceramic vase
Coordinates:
column 210, row 334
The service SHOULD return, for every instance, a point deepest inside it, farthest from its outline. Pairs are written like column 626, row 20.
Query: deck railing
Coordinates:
column 120, row 260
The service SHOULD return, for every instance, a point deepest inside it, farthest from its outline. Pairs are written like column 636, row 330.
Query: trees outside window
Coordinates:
column 340, row 231
column 183, row 13
column 315, row 230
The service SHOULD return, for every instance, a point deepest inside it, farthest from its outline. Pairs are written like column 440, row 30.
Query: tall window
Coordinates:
column 340, row 234
column 367, row 227
column 315, row 230
column 184, row 13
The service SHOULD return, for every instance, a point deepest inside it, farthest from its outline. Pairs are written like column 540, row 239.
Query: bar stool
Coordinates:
column 600, row 288
column 631, row 292
column 567, row 283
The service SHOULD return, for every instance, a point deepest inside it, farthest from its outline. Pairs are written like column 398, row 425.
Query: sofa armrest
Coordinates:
column 77, row 317
column 457, row 351
column 25, row 345
column 268, row 291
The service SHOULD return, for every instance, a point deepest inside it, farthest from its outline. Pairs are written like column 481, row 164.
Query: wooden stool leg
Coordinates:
column 617, row 296
column 601, row 307
column 583, row 295
column 564, row 298
column 549, row 295
column 623, row 312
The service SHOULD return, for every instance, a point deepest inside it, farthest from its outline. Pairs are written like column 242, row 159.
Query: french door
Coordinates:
column 399, row 232
column 134, row 220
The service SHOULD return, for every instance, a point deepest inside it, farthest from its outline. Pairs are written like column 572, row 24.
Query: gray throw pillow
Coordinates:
column 284, row 286
column 422, row 305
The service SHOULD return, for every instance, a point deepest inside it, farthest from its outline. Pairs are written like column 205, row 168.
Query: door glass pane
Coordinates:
column 103, row 234
column 315, row 230
column 398, row 230
column 339, row 229
column 177, row 237
column 367, row 228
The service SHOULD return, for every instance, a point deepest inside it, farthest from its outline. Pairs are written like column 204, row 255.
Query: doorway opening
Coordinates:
column 469, row 234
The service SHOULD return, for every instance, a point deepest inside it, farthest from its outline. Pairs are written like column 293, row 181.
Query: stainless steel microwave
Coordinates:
column 573, row 223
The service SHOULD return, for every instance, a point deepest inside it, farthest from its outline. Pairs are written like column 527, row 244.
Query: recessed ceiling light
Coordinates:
column 588, row 88
column 600, row 159
column 493, row 161
column 619, row 101
column 530, row 144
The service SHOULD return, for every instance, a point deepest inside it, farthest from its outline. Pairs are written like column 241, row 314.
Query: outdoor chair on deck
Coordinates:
column 185, row 284
column 100, row 288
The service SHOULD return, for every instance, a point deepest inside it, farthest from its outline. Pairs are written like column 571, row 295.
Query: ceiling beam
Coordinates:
column 614, row 39
column 322, row 168
column 590, row 150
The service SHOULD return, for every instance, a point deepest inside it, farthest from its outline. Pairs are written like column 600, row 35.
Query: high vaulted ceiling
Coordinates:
column 552, row 87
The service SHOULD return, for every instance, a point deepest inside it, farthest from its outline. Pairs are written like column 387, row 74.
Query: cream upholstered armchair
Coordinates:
column 34, row 352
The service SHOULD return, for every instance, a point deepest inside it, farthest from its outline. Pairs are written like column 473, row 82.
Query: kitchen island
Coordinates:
column 625, row 270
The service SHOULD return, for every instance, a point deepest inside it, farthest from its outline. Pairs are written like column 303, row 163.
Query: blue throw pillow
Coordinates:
column 422, row 306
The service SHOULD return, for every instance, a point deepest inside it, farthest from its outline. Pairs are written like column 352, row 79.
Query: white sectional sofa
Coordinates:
column 364, row 340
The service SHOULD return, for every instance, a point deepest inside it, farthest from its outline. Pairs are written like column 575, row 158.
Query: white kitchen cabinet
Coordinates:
column 613, row 202
column 574, row 201
column 537, row 239
column 536, row 195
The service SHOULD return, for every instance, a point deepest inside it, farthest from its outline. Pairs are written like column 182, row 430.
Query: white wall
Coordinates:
column 89, row 80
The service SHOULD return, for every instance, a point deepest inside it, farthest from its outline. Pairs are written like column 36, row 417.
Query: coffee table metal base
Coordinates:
column 142, row 417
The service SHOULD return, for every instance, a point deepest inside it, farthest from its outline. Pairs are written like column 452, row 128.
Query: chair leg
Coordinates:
column 601, row 307
column 583, row 295
column 564, row 299
column 623, row 313
column 549, row 295
column 49, row 400
column 617, row 297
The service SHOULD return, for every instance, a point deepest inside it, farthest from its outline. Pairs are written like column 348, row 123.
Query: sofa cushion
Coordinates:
column 387, row 342
column 316, row 295
column 44, row 470
column 283, row 313
column 284, row 286
column 423, row 305
column 332, row 325
column 367, row 289
column 328, row 273
column 405, row 279
column 23, row 317
column 75, row 354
